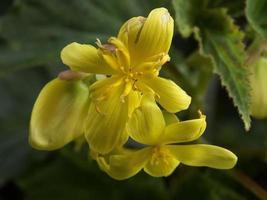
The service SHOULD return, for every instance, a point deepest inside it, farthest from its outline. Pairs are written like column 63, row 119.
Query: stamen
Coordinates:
column 98, row 110
column 135, row 87
column 98, row 43
column 159, row 155
column 101, row 98
column 122, row 69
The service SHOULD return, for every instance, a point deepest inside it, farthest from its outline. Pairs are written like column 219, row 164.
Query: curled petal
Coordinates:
column 184, row 131
column 171, row 96
column 58, row 114
column 147, row 123
column 85, row 58
column 203, row 155
column 129, row 33
column 124, row 164
column 149, row 36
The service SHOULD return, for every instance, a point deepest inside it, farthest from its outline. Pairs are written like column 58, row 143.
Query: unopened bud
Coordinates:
column 258, row 80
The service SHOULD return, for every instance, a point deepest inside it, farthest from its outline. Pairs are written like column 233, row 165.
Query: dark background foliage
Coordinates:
column 32, row 33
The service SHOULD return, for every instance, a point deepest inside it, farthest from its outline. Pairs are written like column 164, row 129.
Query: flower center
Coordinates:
column 117, row 56
column 160, row 154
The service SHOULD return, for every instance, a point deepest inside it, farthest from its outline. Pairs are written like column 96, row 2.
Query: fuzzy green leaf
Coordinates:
column 220, row 40
column 257, row 15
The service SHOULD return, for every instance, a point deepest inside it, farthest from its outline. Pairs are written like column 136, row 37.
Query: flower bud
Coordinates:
column 258, row 81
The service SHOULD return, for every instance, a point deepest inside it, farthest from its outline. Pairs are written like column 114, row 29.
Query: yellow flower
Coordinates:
column 59, row 113
column 162, row 155
column 259, row 88
column 131, row 61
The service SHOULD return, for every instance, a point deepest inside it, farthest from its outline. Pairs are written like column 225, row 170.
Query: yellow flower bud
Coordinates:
column 258, row 80
column 58, row 114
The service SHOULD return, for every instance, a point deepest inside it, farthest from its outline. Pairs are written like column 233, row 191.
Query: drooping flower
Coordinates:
column 258, row 83
column 131, row 61
column 161, row 133
column 59, row 112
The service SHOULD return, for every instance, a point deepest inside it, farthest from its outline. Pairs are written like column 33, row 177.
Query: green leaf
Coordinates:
column 220, row 40
column 257, row 15
column 16, row 104
column 71, row 176
column 207, row 184
column 235, row 8
column 34, row 32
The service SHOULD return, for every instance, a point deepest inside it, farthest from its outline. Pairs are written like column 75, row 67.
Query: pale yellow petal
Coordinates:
column 184, row 131
column 106, row 121
column 85, row 58
column 170, row 96
column 149, row 36
column 125, row 164
column 161, row 163
column 58, row 114
column 101, row 89
column 147, row 123
column 150, row 66
column 258, row 83
column 203, row 155
column 130, row 31
column 156, row 34
column 133, row 100
column 121, row 53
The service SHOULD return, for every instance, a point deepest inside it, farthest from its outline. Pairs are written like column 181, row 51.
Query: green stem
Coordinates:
column 249, row 184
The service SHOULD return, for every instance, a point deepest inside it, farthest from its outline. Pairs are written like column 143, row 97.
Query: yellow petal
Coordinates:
column 161, row 163
column 125, row 164
column 184, row 131
column 84, row 58
column 58, row 114
column 121, row 52
column 101, row 89
column 123, row 139
column 129, row 33
column 151, row 65
column 133, row 100
column 204, row 155
column 149, row 36
column 171, row 96
column 147, row 122
column 106, row 121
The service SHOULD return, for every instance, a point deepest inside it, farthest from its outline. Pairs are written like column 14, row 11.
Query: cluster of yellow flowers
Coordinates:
column 122, row 103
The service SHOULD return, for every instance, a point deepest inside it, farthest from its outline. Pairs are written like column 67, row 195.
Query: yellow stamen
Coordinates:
column 160, row 154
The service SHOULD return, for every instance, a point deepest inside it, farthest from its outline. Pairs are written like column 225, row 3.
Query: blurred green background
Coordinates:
column 32, row 33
